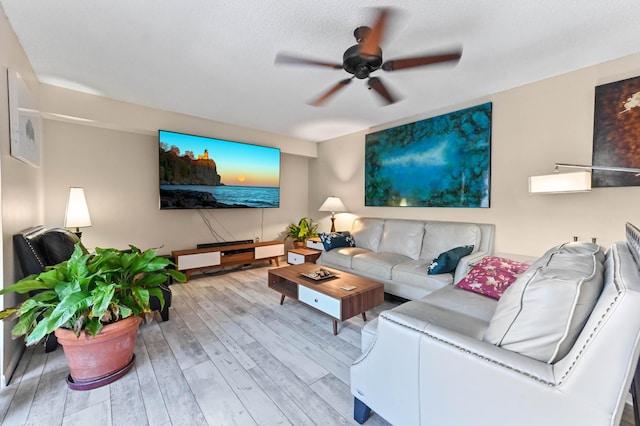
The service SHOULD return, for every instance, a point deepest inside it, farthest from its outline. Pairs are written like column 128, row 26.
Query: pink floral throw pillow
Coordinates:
column 492, row 276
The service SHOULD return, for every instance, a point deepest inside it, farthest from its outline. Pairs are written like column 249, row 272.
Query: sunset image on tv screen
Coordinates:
column 202, row 172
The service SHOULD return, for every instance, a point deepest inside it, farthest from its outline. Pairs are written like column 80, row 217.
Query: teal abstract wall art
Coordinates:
column 443, row 161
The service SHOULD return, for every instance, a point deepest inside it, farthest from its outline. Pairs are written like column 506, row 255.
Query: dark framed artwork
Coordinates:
column 616, row 132
column 443, row 161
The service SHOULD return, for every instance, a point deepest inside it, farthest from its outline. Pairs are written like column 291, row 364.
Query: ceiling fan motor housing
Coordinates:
column 360, row 65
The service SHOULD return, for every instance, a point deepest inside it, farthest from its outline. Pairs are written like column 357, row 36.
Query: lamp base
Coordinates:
column 333, row 224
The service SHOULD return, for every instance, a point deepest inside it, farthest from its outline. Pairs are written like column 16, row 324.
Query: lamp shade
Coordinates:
column 333, row 205
column 77, row 215
column 560, row 182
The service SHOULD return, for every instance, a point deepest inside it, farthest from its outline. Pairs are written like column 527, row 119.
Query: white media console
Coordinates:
column 202, row 259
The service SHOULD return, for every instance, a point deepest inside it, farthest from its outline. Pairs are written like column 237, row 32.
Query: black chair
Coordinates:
column 39, row 247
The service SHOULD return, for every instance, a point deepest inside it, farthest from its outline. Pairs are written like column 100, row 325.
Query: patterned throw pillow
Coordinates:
column 492, row 276
column 337, row 239
column 448, row 261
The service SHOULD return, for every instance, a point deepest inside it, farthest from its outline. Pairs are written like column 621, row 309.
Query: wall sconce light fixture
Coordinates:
column 579, row 181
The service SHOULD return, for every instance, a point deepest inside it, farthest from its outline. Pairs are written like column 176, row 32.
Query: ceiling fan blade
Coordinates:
column 419, row 61
column 376, row 84
column 371, row 45
column 284, row 58
column 323, row 98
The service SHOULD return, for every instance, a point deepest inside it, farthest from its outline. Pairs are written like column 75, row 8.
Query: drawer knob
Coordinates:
column 316, row 300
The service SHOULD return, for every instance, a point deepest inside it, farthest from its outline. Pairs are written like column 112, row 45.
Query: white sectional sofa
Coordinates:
column 559, row 347
column 397, row 252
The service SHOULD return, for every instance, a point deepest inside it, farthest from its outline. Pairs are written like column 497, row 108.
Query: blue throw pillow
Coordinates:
column 336, row 240
column 448, row 261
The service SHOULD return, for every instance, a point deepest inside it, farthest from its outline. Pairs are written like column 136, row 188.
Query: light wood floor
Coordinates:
column 230, row 354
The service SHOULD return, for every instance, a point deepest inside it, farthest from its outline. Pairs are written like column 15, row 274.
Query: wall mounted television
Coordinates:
column 198, row 172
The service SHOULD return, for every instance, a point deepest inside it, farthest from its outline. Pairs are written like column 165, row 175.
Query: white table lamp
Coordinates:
column 77, row 214
column 333, row 205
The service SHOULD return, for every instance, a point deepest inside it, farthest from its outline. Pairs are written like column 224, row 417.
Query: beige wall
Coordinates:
column 119, row 171
column 110, row 148
column 20, row 189
column 533, row 127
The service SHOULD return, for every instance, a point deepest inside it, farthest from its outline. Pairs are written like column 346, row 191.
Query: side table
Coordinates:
column 315, row 243
column 296, row 256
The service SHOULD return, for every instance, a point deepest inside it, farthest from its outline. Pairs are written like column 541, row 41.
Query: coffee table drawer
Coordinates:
column 322, row 302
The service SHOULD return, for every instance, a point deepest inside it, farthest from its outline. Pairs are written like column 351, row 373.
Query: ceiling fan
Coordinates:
column 364, row 58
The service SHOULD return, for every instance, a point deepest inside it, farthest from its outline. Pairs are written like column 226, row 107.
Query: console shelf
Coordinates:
column 192, row 260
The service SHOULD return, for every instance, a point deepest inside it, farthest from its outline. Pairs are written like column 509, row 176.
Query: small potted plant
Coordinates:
column 89, row 301
column 301, row 232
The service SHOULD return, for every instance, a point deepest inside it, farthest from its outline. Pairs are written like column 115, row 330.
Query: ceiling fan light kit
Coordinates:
column 365, row 57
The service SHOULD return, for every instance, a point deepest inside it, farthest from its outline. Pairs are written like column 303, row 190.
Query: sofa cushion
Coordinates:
column 440, row 237
column 543, row 312
column 340, row 257
column 415, row 273
column 376, row 264
column 402, row 237
column 452, row 308
column 334, row 240
column 446, row 262
column 367, row 232
column 492, row 276
column 463, row 302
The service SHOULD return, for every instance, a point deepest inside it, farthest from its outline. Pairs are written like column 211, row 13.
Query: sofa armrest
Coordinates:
column 474, row 348
column 394, row 382
column 466, row 263
column 384, row 377
column 439, row 370
column 28, row 250
column 518, row 387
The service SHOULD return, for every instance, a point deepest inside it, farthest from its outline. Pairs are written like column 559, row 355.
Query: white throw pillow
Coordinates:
column 544, row 311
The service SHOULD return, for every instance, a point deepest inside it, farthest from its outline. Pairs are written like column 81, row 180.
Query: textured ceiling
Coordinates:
column 215, row 59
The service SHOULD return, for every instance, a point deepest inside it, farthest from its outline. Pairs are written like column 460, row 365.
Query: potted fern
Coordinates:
column 89, row 301
column 301, row 232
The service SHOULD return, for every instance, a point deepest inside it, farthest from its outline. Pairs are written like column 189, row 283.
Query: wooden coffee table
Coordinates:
column 327, row 295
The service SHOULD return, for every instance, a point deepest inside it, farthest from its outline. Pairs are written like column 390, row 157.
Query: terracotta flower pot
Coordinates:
column 93, row 357
column 299, row 244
